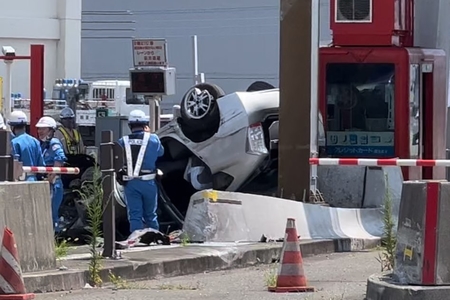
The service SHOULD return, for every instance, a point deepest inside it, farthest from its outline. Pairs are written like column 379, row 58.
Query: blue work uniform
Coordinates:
column 11, row 136
column 53, row 151
column 141, row 192
column 27, row 150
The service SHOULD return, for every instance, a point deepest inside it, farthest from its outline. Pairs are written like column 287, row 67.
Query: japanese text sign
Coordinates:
column 149, row 52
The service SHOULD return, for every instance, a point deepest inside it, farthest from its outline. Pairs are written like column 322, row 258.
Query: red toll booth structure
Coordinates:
column 380, row 96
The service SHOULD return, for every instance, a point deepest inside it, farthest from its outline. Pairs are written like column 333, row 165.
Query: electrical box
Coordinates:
column 117, row 124
column 153, row 81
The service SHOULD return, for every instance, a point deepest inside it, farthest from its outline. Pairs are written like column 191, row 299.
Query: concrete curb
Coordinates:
column 191, row 260
column 380, row 287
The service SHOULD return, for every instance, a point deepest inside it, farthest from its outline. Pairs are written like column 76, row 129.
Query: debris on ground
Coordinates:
column 145, row 236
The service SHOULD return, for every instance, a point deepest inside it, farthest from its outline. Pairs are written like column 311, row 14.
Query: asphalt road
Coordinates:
column 336, row 277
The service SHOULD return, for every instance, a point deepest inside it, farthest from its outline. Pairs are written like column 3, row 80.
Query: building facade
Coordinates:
column 238, row 41
column 54, row 23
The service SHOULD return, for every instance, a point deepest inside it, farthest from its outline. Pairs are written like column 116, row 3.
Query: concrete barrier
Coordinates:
column 25, row 209
column 359, row 186
column 423, row 236
column 215, row 216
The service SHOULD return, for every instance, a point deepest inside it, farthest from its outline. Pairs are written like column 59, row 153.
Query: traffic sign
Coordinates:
column 149, row 52
column 102, row 112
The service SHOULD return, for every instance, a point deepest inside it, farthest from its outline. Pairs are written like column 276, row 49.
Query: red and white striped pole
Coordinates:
column 51, row 170
column 380, row 162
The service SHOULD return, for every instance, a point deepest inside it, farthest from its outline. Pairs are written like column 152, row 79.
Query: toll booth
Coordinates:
column 379, row 96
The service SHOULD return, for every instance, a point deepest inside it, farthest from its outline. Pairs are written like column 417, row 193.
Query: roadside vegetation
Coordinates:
column 389, row 240
column 61, row 249
column 271, row 276
column 92, row 194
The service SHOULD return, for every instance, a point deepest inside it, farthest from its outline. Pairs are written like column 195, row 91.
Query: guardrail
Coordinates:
column 51, row 170
column 380, row 162
column 60, row 104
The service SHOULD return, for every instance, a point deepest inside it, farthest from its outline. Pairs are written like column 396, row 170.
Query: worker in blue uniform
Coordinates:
column 25, row 148
column 54, row 156
column 141, row 150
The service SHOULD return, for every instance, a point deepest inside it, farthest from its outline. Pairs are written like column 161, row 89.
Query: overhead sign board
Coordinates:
column 149, row 53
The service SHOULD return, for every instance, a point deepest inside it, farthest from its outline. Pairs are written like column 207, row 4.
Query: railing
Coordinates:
column 380, row 162
column 50, row 104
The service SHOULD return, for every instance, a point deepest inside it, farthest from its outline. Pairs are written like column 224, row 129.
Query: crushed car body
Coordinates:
column 218, row 141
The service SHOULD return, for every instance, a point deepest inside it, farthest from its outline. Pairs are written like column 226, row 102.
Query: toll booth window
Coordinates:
column 360, row 110
column 135, row 99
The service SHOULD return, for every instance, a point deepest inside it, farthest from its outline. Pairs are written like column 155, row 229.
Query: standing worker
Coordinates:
column 54, row 156
column 142, row 149
column 25, row 148
column 69, row 136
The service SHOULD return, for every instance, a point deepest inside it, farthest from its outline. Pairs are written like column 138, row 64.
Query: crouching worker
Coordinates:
column 54, row 156
column 142, row 149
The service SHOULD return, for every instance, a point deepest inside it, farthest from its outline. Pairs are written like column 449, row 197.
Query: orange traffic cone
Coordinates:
column 291, row 276
column 12, row 286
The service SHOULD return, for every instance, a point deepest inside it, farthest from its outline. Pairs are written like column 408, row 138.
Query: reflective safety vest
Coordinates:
column 134, row 154
column 72, row 143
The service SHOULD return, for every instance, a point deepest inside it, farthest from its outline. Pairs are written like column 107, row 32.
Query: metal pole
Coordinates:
column 195, row 58
column 107, row 167
column 6, row 160
column 315, row 41
column 37, row 86
column 157, row 111
column 154, row 109
column 8, row 90
column 72, row 99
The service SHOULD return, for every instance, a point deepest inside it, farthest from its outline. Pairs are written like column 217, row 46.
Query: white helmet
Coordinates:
column 18, row 117
column 66, row 113
column 2, row 122
column 138, row 117
column 46, row 122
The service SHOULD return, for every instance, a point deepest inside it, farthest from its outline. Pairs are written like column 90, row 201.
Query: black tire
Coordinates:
column 206, row 118
column 259, row 86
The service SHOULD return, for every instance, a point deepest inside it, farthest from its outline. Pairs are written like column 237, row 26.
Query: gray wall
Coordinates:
column 237, row 40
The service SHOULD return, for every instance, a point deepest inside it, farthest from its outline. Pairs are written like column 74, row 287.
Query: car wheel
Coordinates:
column 259, row 86
column 199, row 106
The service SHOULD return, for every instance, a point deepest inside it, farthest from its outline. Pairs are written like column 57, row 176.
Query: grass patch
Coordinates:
column 271, row 276
column 179, row 287
column 184, row 241
column 61, row 249
column 118, row 282
column 92, row 194
column 389, row 240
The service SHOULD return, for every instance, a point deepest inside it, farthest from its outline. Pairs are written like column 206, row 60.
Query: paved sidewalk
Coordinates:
column 339, row 276
column 176, row 260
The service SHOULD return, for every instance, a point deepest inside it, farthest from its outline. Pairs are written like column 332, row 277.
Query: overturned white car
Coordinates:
column 224, row 142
